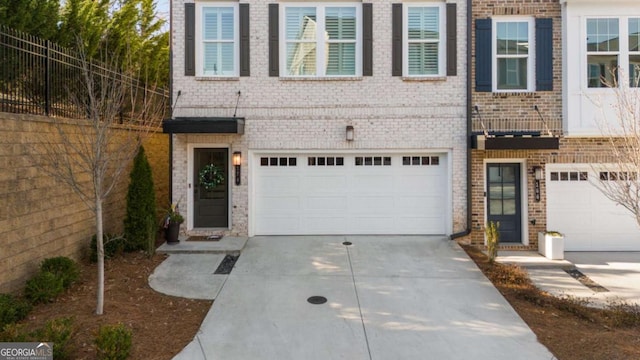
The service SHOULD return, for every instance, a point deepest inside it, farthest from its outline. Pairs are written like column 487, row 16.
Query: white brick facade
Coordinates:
column 387, row 112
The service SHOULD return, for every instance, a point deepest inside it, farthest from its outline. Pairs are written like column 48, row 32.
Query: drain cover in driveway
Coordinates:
column 317, row 300
column 226, row 265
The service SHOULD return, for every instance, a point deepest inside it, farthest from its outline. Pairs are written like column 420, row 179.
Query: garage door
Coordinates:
column 306, row 194
column 588, row 219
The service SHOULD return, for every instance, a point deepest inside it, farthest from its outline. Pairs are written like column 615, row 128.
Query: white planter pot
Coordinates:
column 551, row 246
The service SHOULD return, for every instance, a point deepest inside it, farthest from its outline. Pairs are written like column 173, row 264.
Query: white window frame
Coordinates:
column 200, row 6
column 623, row 47
column 321, row 52
column 631, row 53
column 531, row 56
column 442, row 41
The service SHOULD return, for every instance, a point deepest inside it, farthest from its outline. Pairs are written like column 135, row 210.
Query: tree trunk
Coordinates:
column 100, row 251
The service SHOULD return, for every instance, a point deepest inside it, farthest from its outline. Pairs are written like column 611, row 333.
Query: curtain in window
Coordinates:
column 301, row 30
column 218, row 40
column 423, row 33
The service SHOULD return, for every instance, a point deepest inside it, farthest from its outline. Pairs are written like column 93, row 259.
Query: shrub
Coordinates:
column 113, row 342
column 44, row 287
column 59, row 332
column 113, row 245
column 62, row 267
column 12, row 309
column 141, row 206
column 493, row 239
column 623, row 314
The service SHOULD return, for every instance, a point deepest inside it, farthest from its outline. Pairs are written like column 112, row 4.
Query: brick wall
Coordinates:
column 284, row 113
column 41, row 218
column 515, row 111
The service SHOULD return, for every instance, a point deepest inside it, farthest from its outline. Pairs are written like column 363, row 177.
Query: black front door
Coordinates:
column 211, row 190
column 503, row 200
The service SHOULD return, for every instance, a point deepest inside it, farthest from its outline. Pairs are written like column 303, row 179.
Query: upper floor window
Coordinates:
column 424, row 40
column 613, row 46
column 603, row 51
column 217, row 39
column 513, row 58
column 321, row 40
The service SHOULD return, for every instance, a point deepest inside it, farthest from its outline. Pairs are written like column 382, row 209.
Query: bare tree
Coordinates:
column 618, row 175
column 91, row 154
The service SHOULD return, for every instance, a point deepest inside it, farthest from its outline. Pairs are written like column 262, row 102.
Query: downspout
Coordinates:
column 467, row 231
column 170, row 100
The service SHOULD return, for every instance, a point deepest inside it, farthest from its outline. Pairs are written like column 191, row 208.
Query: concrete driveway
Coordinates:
column 389, row 297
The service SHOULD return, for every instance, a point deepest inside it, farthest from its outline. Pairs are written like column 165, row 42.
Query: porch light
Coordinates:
column 237, row 161
column 350, row 133
column 537, row 171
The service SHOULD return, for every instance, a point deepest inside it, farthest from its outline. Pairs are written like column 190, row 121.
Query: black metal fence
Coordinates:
column 39, row 77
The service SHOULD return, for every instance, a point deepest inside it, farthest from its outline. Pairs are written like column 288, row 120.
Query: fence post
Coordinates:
column 47, row 79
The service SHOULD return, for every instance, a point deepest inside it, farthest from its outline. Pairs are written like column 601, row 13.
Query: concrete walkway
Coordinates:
column 389, row 297
column 617, row 272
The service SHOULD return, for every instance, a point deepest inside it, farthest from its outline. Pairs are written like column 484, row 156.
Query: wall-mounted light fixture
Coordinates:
column 350, row 133
column 237, row 161
column 537, row 174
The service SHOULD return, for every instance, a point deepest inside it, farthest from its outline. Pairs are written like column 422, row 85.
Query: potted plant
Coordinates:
column 551, row 245
column 172, row 222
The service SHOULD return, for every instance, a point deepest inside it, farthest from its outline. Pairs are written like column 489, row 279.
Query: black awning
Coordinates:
column 209, row 125
column 482, row 142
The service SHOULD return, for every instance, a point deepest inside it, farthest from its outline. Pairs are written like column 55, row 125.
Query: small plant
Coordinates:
column 59, row 332
column 173, row 216
column 44, row 287
column 12, row 309
column 63, row 267
column 113, row 342
column 113, row 245
column 14, row 333
column 493, row 239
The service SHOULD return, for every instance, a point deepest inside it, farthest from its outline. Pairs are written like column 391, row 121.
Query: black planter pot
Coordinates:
column 171, row 233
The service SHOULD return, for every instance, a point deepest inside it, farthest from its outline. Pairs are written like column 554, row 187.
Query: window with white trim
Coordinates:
column 424, row 40
column 217, row 39
column 634, row 52
column 603, row 51
column 321, row 40
column 513, row 54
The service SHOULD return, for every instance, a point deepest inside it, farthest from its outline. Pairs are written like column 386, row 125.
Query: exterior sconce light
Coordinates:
column 350, row 133
column 537, row 174
column 237, row 161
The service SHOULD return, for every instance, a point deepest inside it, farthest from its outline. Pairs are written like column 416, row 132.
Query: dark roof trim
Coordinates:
column 209, row 125
column 481, row 142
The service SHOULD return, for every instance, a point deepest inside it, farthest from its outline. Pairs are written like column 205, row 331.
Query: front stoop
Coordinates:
column 227, row 245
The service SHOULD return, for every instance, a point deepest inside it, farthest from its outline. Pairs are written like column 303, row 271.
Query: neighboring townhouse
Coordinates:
column 537, row 148
column 296, row 118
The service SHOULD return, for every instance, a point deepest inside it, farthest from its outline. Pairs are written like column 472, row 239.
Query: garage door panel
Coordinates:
column 586, row 217
column 325, row 203
column 357, row 197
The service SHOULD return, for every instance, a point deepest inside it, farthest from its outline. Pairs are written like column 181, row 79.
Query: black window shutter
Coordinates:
column 544, row 54
column 244, row 40
column 452, row 40
column 274, row 41
column 483, row 55
column 396, row 47
column 189, row 39
column 367, row 39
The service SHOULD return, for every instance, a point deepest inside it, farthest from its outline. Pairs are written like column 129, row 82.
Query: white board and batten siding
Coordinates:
column 336, row 193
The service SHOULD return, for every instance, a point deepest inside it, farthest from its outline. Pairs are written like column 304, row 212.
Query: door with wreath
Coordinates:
column 211, row 190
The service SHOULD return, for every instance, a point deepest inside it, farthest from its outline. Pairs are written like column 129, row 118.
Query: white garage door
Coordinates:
column 307, row 194
column 588, row 220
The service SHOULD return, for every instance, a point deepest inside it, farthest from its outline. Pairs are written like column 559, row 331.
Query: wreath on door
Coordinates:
column 211, row 176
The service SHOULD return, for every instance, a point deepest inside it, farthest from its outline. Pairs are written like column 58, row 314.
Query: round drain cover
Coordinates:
column 346, row 243
column 317, row 300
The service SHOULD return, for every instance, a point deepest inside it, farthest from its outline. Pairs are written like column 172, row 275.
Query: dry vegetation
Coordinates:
column 567, row 327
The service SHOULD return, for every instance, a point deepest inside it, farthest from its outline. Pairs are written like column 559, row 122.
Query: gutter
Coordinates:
column 467, row 231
